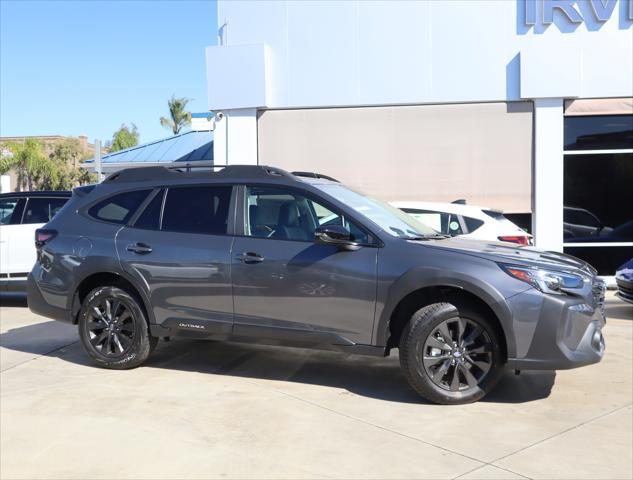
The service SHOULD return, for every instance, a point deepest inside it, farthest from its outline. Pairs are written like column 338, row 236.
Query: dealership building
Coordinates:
column 520, row 105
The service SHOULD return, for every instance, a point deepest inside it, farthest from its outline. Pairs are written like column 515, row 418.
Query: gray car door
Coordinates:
column 284, row 281
column 180, row 250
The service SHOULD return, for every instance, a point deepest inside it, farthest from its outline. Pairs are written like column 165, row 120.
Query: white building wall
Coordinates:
column 391, row 52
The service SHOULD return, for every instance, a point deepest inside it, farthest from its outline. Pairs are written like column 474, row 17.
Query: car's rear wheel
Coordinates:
column 113, row 329
column 451, row 355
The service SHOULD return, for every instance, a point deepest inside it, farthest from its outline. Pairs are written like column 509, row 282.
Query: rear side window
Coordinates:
column 472, row 223
column 42, row 210
column 202, row 209
column 150, row 218
column 118, row 208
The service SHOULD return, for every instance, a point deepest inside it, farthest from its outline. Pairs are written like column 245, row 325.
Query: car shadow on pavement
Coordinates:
column 373, row 377
column 13, row 299
column 618, row 310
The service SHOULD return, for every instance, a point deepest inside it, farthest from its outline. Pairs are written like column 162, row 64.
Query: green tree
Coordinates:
column 60, row 170
column 124, row 137
column 29, row 162
column 179, row 117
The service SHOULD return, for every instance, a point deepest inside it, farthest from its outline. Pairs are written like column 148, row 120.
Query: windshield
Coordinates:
column 391, row 219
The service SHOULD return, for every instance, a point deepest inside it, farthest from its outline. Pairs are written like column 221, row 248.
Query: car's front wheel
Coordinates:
column 451, row 355
column 113, row 329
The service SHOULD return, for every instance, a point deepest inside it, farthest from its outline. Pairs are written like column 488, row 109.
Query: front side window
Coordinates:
column 203, row 209
column 7, row 207
column 288, row 215
column 118, row 208
column 42, row 210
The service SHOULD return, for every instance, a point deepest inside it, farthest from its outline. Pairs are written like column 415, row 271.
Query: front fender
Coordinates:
column 422, row 277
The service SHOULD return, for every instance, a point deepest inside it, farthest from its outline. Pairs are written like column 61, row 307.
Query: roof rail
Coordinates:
column 174, row 169
column 314, row 175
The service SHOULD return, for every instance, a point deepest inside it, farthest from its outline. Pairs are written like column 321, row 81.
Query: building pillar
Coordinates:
column 547, row 222
column 235, row 137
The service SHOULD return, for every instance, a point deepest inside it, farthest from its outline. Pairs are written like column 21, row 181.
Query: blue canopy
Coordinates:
column 190, row 146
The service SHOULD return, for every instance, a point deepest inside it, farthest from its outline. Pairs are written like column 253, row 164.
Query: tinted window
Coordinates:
column 197, row 209
column 472, row 223
column 599, row 132
column 119, row 208
column 41, row 210
column 7, row 207
column 288, row 215
column 150, row 218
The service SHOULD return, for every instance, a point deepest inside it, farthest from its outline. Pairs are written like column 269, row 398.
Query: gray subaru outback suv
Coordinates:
column 257, row 254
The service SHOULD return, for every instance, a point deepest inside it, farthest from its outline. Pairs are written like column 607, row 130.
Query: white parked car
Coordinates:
column 21, row 213
column 479, row 223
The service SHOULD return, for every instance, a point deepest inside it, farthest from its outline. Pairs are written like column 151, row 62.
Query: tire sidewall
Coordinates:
column 140, row 349
column 421, row 325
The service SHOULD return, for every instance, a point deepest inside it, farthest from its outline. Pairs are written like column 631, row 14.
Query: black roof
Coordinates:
column 38, row 193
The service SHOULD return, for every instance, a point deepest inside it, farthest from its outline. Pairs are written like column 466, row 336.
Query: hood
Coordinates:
column 513, row 254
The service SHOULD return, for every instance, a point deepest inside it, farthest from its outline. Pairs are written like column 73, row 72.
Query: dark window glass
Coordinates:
column 119, row 208
column 598, row 195
column 7, row 207
column 599, row 132
column 41, row 210
column 288, row 215
column 604, row 259
column 472, row 223
column 197, row 209
column 150, row 218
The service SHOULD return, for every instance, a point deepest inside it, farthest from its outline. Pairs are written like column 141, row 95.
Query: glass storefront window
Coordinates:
column 601, row 132
column 598, row 190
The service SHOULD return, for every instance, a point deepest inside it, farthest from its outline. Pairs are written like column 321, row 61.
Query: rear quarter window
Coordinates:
column 118, row 208
column 472, row 224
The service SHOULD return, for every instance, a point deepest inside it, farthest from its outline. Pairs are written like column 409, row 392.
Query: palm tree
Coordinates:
column 178, row 116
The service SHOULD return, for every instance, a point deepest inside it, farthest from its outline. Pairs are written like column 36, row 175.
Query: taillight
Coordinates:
column 43, row 235
column 520, row 239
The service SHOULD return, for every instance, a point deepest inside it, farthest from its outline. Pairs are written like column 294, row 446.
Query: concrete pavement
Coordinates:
column 218, row 410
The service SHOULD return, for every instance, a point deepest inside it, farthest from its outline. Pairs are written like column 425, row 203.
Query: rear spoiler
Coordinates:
column 84, row 190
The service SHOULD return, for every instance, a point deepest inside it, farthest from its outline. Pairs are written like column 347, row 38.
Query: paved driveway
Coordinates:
column 216, row 410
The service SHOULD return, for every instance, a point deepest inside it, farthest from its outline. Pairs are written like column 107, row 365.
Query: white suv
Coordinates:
column 21, row 213
column 479, row 223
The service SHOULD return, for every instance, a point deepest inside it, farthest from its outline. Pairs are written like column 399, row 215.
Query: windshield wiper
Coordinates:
column 433, row 236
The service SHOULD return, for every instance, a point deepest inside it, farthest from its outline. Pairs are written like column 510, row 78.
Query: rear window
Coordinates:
column 118, row 208
column 197, row 209
column 42, row 209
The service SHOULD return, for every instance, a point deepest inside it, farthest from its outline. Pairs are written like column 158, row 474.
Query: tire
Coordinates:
column 113, row 329
column 451, row 371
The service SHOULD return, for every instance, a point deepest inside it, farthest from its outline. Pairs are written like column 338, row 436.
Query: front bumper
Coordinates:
column 566, row 331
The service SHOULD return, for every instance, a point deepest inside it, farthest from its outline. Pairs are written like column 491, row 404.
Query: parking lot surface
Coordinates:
column 226, row 410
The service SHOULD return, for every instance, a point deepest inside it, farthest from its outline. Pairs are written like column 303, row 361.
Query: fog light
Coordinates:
column 597, row 341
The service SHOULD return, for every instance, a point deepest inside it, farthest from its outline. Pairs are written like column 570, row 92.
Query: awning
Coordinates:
column 190, row 146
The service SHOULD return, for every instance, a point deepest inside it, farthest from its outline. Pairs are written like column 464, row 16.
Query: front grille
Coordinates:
column 598, row 289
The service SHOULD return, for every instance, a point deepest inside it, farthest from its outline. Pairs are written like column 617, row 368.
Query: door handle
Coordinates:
column 250, row 257
column 139, row 247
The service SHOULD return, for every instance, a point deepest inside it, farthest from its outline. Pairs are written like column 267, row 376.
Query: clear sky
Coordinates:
column 86, row 67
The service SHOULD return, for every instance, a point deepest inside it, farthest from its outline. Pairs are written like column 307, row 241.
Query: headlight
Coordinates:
column 547, row 281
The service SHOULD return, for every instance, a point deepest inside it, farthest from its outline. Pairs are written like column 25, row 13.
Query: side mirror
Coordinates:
column 335, row 235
